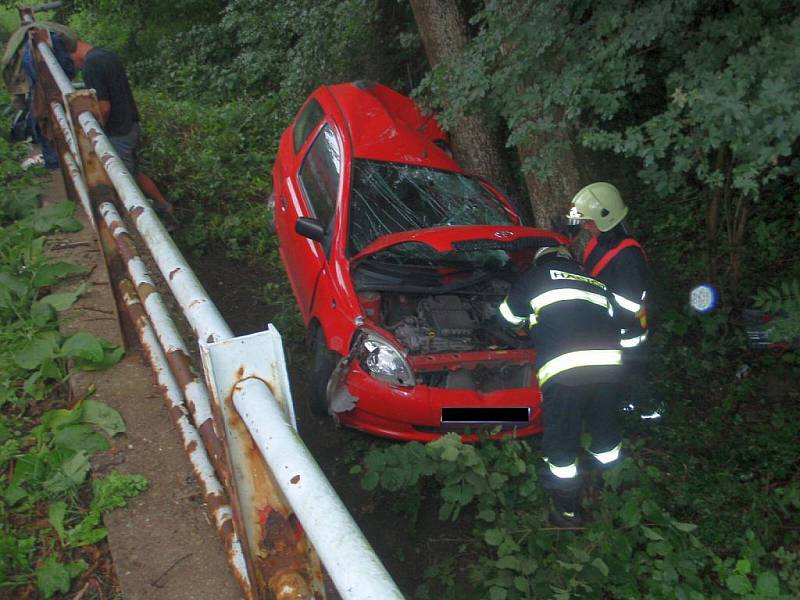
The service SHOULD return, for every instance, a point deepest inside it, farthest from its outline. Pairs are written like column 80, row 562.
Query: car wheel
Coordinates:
column 323, row 361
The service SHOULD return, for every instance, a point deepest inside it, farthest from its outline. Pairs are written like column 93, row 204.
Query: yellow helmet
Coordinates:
column 599, row 202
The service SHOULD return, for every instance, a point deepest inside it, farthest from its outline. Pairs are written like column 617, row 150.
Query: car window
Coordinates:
column 391, row 197
column 306, row 122
column 320, row 174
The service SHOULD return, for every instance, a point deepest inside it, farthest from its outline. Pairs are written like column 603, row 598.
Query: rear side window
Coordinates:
column 306, row 122
column 320, row 174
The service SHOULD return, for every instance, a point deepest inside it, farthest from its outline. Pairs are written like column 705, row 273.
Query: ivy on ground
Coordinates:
column 50, row 515
column 638, row 543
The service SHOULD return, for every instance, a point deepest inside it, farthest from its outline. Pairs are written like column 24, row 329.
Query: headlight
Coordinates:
column 384, row 361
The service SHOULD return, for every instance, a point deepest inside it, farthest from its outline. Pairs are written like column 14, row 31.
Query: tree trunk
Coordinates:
column 477, row 146
column 551, row 197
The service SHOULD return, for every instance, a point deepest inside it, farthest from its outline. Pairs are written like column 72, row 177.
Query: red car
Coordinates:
column 398, row 261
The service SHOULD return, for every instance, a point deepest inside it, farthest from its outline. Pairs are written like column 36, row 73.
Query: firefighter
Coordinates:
column 578, row 367
column 614, row 257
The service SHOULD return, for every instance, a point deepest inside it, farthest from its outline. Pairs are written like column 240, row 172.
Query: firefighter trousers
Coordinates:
column 564, row 411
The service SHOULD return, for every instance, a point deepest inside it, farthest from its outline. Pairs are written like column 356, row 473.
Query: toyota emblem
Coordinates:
column 503, row 234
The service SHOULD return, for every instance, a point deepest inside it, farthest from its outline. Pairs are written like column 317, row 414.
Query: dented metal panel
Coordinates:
column 277, row 543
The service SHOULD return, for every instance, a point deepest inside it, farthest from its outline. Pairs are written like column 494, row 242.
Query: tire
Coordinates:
column 323, row 361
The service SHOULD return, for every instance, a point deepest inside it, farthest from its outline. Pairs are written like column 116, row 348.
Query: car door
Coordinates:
column 313, row 193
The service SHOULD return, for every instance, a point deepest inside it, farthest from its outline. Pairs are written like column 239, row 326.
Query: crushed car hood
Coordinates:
column 468, row 237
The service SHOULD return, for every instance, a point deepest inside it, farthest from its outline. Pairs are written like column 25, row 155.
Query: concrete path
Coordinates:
column 163, row 544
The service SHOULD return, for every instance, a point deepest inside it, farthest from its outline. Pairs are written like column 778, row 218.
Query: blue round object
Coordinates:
column 703, row 298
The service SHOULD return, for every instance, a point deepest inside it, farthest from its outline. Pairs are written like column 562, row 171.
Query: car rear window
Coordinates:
column 320, row 174
column 306, row 122
column 392, row 197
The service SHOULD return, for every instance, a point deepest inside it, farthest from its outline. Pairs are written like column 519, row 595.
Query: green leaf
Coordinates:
column 684, row 527
column 55, row 514
column 450, row 453
column 370, row 481
column 53, row 576
column 80, row 437
column 494, row 537
column 83, row 345
column 111, row 356
column 498, row 593
column 55, row 217
column 85, row 534
column 37, row 350
column 49, row 273
column 42, row 313
column 508, row 562
column 738, row 584
column 13, row 494
column 70, row 475
column 630, row 513
column 15, row 284
column 579, row 553
column 64, row 300
column 600, row 565
column 102, row 415
column 767, row 585
column 487, row 515
column 651, row 534
column 521, row 583
column 743, row 566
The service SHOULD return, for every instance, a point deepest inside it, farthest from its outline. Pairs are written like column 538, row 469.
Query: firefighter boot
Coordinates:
column 566, row 508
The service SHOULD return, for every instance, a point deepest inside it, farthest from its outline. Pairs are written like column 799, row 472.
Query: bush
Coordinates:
column 214, row 163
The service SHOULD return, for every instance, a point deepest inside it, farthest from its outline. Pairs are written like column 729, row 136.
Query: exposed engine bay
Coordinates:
column 451, row 324
column 448, row 323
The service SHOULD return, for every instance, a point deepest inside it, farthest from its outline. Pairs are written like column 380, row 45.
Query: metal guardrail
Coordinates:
column 277, row 514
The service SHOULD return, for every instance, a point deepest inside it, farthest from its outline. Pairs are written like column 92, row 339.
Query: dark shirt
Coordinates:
column 103, row 71
column 569, row 325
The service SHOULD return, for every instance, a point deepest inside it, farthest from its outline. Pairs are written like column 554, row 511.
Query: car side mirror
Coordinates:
column 311, row 228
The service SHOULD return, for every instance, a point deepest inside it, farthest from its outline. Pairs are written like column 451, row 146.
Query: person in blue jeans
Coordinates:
column 29, row 67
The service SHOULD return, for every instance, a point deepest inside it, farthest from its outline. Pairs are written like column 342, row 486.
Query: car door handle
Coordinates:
column 283, row 202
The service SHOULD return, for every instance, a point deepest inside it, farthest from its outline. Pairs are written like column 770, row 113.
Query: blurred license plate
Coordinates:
column 482, row 416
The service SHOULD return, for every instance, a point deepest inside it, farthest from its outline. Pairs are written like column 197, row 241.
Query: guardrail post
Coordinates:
column 100, row 189
column 277, row 546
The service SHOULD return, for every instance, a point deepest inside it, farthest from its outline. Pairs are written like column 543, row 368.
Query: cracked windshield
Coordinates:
column 390, row 198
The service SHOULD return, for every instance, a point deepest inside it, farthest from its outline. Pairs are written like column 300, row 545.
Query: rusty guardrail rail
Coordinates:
column 277, row 514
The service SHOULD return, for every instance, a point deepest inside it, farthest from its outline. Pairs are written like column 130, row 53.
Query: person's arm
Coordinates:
column 95, row 77
column 105, row 111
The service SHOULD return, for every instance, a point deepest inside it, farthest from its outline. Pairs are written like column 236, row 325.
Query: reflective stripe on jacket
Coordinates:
column 571, row 322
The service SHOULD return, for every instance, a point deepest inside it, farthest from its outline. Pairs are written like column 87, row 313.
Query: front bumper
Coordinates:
column 423, row 413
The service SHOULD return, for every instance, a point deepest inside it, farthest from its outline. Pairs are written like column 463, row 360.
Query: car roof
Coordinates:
column 387, row 126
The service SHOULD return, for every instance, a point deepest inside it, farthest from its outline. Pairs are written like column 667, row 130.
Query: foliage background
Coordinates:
column 690, row 107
